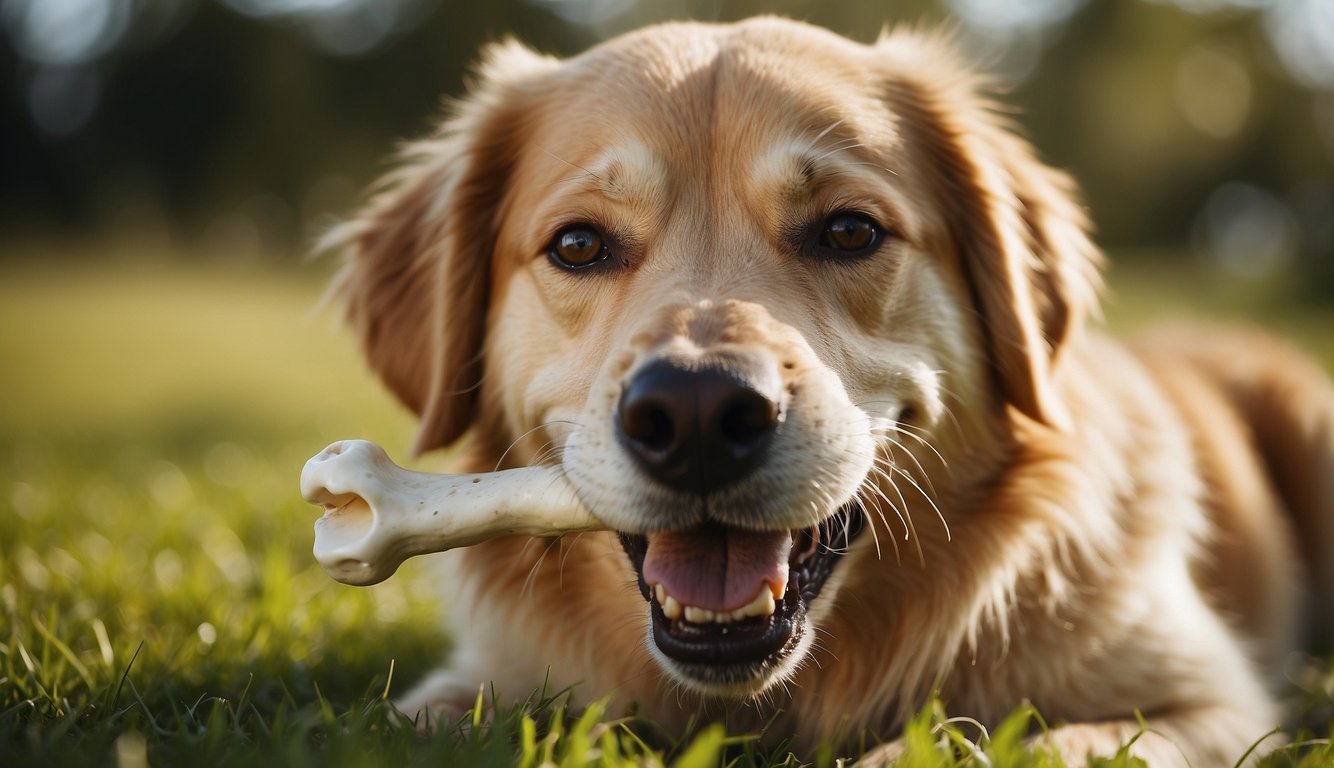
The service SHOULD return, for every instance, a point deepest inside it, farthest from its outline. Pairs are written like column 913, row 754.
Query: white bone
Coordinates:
column 378, row 514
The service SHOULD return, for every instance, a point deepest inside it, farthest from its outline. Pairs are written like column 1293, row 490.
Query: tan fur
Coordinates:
column 1100, row 530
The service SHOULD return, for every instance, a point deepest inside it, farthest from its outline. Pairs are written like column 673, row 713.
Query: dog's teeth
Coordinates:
column 699, row 615
column 762, row 605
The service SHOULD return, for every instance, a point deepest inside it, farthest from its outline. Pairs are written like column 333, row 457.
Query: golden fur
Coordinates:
column 1098, row 528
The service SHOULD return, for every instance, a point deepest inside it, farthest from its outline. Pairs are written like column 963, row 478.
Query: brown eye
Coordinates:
column 577, row 246
column 850, row 232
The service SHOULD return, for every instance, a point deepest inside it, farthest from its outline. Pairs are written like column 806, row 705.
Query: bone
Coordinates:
column 378, row 514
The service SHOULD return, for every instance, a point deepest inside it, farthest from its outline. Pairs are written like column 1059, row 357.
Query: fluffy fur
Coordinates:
column 1102, row 529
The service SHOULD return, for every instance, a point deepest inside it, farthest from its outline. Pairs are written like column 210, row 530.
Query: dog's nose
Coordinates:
column 698, row 429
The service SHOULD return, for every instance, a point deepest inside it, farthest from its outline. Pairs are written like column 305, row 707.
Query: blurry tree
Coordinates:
column 244, row 124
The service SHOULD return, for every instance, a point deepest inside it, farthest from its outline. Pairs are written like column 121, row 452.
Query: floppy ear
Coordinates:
column 416, row 278
column 1021, row 236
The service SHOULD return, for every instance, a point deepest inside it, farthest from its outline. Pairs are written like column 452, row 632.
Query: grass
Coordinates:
column 158, row 601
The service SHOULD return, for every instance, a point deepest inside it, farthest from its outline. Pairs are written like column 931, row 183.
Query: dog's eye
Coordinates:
column 850, row 232
column 577, row 246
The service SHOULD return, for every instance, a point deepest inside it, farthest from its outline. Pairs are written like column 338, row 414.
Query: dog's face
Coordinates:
column 742, row 283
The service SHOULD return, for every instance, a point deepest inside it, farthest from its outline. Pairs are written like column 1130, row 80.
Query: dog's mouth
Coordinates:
column 728, row 606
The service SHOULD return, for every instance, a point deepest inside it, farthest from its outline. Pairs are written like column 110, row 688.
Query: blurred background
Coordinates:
column 236, row 129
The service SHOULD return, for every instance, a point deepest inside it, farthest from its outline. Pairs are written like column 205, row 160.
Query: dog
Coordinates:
column 803, row 321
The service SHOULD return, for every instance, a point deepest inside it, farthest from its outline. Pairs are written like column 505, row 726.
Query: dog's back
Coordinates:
column 1276, row 409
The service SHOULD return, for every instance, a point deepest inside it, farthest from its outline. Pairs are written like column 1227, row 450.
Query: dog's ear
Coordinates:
column 418, row 256
column 1021, row 235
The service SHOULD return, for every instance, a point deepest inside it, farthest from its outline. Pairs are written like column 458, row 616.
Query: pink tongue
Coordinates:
column 720, row 569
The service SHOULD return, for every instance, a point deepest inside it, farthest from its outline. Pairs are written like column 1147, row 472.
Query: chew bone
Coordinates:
column 378, row 514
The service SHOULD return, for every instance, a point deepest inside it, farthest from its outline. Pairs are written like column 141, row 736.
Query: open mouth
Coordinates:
column 728, row 606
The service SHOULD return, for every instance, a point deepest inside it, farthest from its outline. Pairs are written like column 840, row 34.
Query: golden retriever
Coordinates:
column 802, row 319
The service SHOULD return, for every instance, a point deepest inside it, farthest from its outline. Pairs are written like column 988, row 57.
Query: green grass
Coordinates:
column 158, row 601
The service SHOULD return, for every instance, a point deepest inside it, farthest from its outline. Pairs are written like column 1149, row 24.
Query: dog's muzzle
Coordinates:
column 728, row 604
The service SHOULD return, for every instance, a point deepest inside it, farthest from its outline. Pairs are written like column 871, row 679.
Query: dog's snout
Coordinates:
column 697, row 429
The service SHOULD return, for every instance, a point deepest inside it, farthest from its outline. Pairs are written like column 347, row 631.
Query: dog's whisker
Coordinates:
column 771, row 694
column 895, row 444
column 903, row 429
column 567, row 546
column 946, row 410
column 531, row 579
column 542, row 455
column 846, row 165
column 874, row 496
column 827, row 130
column 544, row 425
column 576, row 166
column 907, row 515
column 887, row 479
column 879, row 496
column 551, row 454
column 927, row 497
column 843, row 147
column 863, row 502
column 818, row 648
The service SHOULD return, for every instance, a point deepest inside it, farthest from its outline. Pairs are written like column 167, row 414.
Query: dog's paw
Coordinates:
column 1079, row 743
column 439, row 700
column 882, row 755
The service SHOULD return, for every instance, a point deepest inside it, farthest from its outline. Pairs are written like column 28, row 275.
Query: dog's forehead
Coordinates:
column 773, row 104
column 672, row 57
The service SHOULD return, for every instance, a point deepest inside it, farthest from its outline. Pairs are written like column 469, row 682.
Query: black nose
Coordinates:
column 696, row 430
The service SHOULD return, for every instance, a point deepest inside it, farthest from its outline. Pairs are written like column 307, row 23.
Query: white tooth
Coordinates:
column 765, row 603
column 696, row 615
column 762, row 605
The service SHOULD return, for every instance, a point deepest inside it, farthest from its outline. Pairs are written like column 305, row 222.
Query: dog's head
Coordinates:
column 751, row 286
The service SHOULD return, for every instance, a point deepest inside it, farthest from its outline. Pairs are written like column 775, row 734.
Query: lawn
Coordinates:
column 158, row 601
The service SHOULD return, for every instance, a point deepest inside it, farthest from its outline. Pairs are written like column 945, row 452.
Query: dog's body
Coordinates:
column 872, row 294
